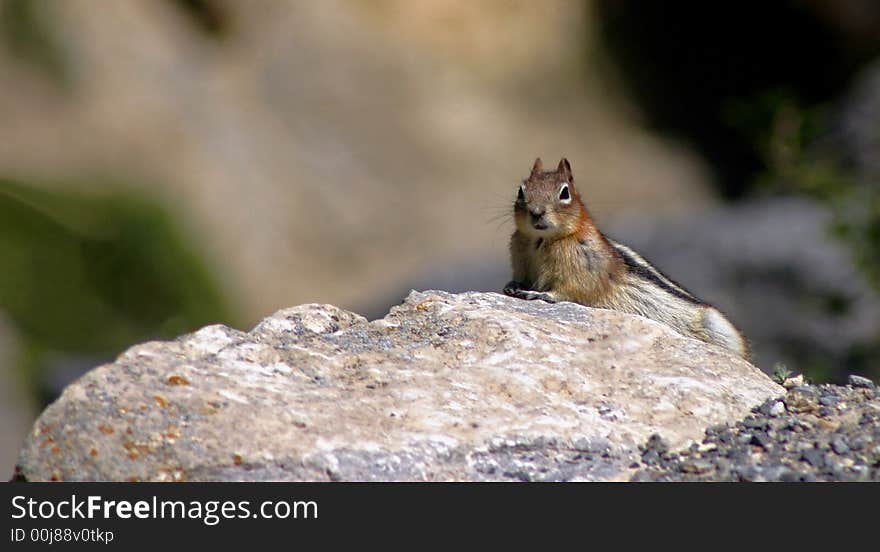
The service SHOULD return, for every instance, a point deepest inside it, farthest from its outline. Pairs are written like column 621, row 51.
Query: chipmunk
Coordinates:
column 558, row 254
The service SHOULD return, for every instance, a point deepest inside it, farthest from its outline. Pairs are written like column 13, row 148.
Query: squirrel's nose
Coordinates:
column 537, row 213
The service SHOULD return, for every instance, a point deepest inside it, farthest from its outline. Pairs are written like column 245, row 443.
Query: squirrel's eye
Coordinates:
column 521, row 196
column 563, row 193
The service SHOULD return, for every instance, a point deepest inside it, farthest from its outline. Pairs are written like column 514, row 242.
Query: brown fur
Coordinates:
column 558, row 254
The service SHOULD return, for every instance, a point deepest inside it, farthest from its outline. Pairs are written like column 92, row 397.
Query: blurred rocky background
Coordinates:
column 165, row 164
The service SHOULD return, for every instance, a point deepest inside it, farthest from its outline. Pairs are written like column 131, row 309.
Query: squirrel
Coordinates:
column 558, row 254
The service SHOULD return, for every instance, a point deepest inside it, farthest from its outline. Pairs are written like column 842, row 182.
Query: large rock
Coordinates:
column 473, row 386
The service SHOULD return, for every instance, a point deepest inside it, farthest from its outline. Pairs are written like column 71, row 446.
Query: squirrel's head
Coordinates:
column 547, row 203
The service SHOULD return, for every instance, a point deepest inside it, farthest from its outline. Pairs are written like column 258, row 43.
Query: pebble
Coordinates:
column 696, row 466
column 650, row 457
column 859, row 381
column 707, row 447
column 829, row 400
column 814, row 457
column 762, row 440
column 754, row 423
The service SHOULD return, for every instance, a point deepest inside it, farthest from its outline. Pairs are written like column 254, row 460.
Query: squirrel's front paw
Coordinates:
column 512, row 288
column 532, row 295
column 528, row 294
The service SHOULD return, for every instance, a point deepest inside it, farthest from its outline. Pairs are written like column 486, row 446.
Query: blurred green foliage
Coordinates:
column 26, row 31
column 802, row 156
column 800, row 159
column 89, row 275
column 704, row 71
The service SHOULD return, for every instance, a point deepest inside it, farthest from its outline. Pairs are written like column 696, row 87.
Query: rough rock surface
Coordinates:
column 473, row 386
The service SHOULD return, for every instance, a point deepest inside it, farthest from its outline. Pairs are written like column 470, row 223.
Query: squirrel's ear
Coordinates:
column 538, row 166
column 564, row 167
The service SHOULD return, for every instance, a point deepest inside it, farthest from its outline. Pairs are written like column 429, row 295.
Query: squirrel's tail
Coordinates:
column 721, row 331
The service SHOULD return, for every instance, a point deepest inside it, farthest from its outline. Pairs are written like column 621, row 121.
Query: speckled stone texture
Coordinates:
column 815, row 433
column 472, row 386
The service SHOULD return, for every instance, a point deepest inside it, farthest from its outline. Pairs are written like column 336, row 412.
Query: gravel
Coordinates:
column 813, row 433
